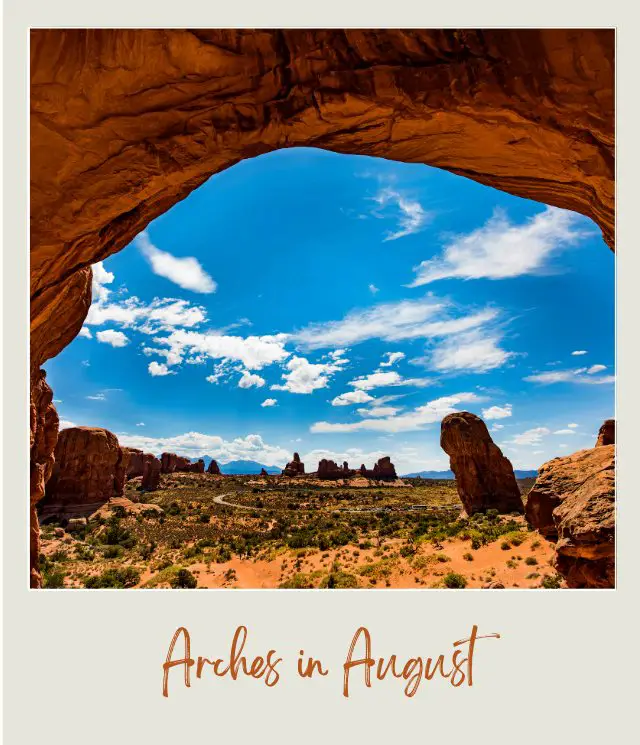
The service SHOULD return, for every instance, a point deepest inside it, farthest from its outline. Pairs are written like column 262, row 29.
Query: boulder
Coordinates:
column 90, row 468
column 294, row 468
column 214, row 468
column 573, row 502
column 484, row 477
column 151, row 473
column 607, row 433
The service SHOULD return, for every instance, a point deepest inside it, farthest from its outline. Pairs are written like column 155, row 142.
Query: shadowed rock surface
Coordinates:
column 136, row 462
column 172, row 463
column 152, row 468
column 90, row 467
column 484, row 477
column 294, row 468
column 329, row 470
column 607, row 433
column 573, row 502
column 214, row 468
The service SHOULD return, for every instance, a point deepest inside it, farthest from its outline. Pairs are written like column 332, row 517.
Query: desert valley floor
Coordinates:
column 206, row 531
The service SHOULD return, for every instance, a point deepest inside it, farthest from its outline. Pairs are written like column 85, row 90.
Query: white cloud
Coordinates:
column 351, row 397
column 579, row 352
column 250, row 380
column 531, row 436
column 573, row 426
column 411, row 215
column 197, row 444
column 186, row 272
column 501, row 249
column 254, row 352
column 140, row 424
column 564, row 432
column 497, row 412
column 497, row 427
column 85, row 333
column 162, row 314
column 269, row 402
column 476, row 350
column 306, row 377
column 570, row 376
column 380, row 379
column 378, row 411
column 97, row 397
column 112, row 337
column 417, row 419
column 157, row 369
column 86, row 363
column 101, row 277
column 425, row 318
column 66, row 424
column 373, row 289
column 596, row 369
column 392, row 358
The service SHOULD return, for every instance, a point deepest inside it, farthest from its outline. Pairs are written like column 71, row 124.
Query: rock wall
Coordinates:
column 90, row 468
column 607, row 433
column 136, row 462
column 152, row 468
column 484, row 477
column 573, row 502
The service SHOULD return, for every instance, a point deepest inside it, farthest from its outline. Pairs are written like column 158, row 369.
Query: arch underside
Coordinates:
column 125, row 123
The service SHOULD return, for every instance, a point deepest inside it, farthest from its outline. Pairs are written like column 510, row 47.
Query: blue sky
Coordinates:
column 340, row 306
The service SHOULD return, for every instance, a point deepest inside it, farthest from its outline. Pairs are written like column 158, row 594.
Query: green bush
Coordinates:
column 184, row 580
column 467, row 556
column 454, row 581
column 114, row 578
column 53, row 579
column 531, row 561
column 551, row 582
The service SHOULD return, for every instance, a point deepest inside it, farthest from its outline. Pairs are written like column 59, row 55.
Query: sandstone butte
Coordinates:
column 152, row 468
column 125, row 123
column 573, row 503
column 214, row 468
column 136, row 462
column 484, row 477
column 294, row 468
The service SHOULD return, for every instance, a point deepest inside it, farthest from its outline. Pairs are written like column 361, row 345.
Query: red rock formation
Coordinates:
column 90, row 468
column 294, row 468
column 263, row 472
column 384, row 470
column 214, row 468
column 573, row 502
column 172, row 463
column 136, row 462
column 182, row 105
column 484, row 477
column 607, row 433
column 152, row 468
column 329, row 470
column 197, row 467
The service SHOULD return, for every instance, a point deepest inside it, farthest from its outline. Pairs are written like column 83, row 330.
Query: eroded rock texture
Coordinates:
column 214, row 468
column 125, row 123
column 152, row 468
column 135, row 467
column 384, row 470
column 329, row 470
column 607, row 433
column 484, row 477
column 90, row 468
column 294, row 468
column 172, row 463
column 573, row 502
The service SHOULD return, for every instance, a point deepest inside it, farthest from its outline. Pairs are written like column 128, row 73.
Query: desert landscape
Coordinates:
column 119, row 518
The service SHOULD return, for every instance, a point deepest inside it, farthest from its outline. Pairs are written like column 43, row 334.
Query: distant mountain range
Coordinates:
column 449, row 475
column 240, row 467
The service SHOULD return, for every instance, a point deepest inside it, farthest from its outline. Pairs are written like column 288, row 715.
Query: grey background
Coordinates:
column 86, row 666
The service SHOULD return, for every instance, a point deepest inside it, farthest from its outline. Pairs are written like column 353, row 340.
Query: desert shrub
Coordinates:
column 531, row 561
column 114, row 578
column 53, row 579
column 533, row 575
column 454, row 581
column 116, row 535
column 550, row 582
column 408, row 550
column 339, row 580
column 512, row 564
column 184, row 580
column 505, row 545
column 467, row 557
column 112, row 552
column 173, row 509
column 230, row 575
column 301, row 581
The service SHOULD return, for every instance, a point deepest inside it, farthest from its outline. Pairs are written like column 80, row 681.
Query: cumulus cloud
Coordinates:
column 162, row 314
column 140, row 424
column 269, row 402
column 158, row 369
column 351, row 397
column 477, row 351
column 497, row 427
column 501, row 249
column 596, row 369
column 250, row 380
column 303, row 376
column 101, row 277
column 413, row 420
column 197, row 444
column 392, row 358
column 85, row 333
column 497, row 412
column 380, row 379
column 531, row 436
column 579, row 352
column 579, row 375
column 185, row 272
column 67, row 424
column 112, row 337
column 410, row 214
column 379, row 411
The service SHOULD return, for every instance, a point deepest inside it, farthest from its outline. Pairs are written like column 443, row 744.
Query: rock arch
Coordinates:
column 124, row 123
